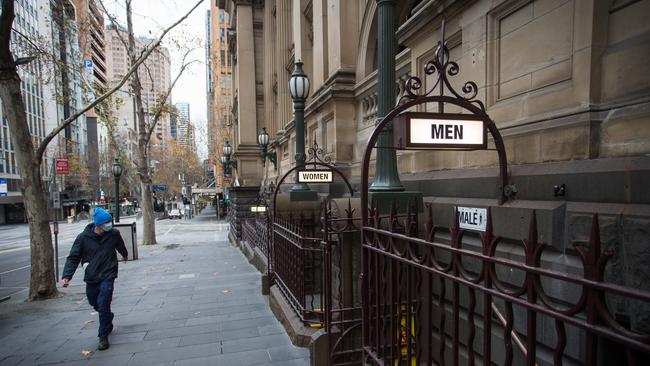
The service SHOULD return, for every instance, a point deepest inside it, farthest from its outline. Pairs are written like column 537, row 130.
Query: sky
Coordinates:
column 149, row 18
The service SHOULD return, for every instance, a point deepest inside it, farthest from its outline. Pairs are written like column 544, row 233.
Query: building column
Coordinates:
column 283, row 44
column 246, row 152
column 269, row 68
column 247, row 130
column 320, row 44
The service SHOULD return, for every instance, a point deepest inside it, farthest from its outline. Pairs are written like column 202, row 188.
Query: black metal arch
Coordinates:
column 461, row 102
column 314, row 164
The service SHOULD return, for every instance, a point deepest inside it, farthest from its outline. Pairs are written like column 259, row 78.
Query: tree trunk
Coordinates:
column 148, row 217
column 142, row 164
column 142, row 160
column 42, row 281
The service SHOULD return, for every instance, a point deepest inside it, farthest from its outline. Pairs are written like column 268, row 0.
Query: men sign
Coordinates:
column 440, row 131
column 315, row 176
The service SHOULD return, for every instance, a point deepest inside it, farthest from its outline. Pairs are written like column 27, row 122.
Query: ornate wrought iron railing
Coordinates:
column 341, row 293
column 297, row 265
column 255, row 231
column 235, row 225
column 433, row 300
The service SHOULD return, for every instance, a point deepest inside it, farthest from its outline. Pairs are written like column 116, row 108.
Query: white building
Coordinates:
column 26, row 22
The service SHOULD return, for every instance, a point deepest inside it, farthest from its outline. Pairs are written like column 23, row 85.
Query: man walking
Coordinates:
column 95, row 249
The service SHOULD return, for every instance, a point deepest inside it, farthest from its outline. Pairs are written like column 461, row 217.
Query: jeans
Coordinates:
column 100, row 296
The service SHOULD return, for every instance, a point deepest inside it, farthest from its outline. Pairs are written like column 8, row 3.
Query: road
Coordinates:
column 15, row 251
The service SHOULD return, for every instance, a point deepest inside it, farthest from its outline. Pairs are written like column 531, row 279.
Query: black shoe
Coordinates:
column 103, row 343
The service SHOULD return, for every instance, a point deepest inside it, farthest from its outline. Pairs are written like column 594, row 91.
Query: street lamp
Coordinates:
column 117, row 172
column 227, row 162
column 299, row 91
column 24, row 60
column 227, row 149
column 263, row 141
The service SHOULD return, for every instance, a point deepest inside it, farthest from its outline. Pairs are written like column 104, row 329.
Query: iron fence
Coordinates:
column 255, row 231
column 297, row 265
column 435, row 300
column 235, row 224
column 341, row 293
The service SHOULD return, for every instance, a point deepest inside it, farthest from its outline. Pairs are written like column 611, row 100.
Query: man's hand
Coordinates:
column 65, row 282
column 125, row 259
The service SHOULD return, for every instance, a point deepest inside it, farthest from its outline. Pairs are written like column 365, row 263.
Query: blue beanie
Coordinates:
column 101, row 216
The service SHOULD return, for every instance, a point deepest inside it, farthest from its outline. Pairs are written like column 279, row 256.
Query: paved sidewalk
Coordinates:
column 190, row 300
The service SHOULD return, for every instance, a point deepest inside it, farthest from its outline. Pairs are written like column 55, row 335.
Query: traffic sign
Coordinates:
column 159, row 187
column 62, row 166
column 56, row 199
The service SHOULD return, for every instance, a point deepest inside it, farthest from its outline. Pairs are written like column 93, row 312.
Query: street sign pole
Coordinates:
column 56, row 205
column 56, row 249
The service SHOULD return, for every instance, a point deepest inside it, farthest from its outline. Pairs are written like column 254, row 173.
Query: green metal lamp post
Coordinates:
column 386, row 175
column 386, row 186
column 299, row 91
column 117, row 172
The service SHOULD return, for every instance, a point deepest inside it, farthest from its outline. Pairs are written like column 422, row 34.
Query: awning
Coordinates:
column 5, row 200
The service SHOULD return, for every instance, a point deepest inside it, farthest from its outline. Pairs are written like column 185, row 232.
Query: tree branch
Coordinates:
column 164, row 97
column 149, row 49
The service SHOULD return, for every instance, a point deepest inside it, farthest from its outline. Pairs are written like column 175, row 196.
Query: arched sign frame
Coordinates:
column 443, row 67
column 314, row 160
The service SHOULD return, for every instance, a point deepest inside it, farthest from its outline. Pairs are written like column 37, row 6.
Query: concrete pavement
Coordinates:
column 15, row 254
column 190, row 300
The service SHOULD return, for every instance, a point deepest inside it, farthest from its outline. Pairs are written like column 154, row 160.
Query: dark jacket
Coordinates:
column 98, row 250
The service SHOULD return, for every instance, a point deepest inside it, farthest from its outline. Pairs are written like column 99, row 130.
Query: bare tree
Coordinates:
column 147, row 119
column 29, row 159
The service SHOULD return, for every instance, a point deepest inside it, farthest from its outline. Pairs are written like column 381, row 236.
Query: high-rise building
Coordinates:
column 25, row 27
column 183, row 110
column 183, row 126
column 173, row 126
column 90, row 25
column 219, row 78
column 90, row 22
column 154, row 78
column 64, row 92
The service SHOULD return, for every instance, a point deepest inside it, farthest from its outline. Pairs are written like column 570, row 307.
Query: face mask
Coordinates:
column 108, row 226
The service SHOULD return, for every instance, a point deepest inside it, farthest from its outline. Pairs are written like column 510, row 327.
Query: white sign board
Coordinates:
column 258, row 208
column 56, row 200
column 315, row 176
column 447, row 131
column 472, row 218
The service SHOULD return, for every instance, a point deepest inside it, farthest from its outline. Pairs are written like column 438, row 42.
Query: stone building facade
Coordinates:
column 565, row 81
column 219, row 86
